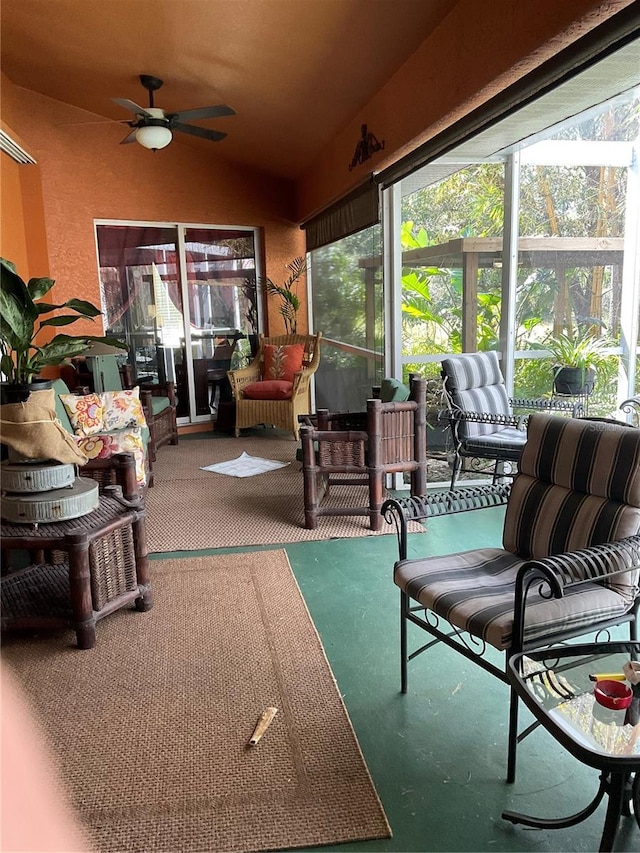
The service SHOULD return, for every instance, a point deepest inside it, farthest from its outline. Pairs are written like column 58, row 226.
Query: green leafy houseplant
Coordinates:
column 576, row 361
column 288, row 295
column 23, row 316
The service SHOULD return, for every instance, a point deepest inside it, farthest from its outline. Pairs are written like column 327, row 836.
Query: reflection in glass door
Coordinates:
column 185, row 301
column 222, row 309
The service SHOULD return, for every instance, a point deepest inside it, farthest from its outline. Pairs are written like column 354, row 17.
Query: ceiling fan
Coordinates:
column 154, row 127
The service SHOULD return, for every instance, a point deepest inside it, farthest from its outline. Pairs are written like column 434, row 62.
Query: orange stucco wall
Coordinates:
column 84, row 174
column 13, row 239
column 475, row 52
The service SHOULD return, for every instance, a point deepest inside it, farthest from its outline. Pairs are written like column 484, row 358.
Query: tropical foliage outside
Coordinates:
column 576, row 299
column 579, row 301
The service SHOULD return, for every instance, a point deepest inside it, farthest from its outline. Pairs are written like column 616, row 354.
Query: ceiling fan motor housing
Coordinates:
column 155, row 118
column 153, row 127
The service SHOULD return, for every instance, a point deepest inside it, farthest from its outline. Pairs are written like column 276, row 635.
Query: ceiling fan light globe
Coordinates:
column 153, row 138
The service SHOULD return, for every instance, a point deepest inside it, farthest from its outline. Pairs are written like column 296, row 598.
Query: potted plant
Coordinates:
column 22, row 318
column 288, row 295
column 576, row 361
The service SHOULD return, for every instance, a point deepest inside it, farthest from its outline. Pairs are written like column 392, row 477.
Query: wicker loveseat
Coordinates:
column 102, row 446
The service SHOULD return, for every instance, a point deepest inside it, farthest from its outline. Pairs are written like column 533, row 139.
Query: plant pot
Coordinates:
column 574, row 381
column 12, row 392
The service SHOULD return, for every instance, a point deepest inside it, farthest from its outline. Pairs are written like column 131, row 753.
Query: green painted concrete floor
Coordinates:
column 437, row 755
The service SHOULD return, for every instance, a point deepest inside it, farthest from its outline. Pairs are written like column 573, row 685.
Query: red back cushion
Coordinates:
column 281, row 362
column 268, row 389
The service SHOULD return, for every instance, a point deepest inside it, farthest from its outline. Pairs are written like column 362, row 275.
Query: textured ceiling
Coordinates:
column 295, row 71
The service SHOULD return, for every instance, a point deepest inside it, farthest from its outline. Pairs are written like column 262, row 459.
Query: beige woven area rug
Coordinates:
column 190, row 510
column 152, row 725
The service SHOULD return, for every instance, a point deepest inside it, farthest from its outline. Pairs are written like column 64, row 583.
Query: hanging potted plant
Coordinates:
column 577, row 360
column 23, row 315
column 290, row 302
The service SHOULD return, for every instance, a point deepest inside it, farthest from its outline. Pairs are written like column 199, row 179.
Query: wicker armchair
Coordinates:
column 361, row 449
column 282, row 413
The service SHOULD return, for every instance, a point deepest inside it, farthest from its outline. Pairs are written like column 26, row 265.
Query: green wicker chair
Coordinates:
column 158, row 400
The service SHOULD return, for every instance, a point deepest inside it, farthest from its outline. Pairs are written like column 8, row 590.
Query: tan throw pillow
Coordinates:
column 85, row 413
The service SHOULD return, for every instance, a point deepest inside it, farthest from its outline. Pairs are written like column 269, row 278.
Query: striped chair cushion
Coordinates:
column 578, row 485
column 505, row 443
column 474, row 590
column 574, row 453
column 475, row 384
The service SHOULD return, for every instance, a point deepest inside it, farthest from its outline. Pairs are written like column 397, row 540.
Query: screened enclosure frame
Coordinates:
column 469, row 254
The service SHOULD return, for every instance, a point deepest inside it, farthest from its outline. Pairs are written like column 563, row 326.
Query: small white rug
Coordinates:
column 244, row 466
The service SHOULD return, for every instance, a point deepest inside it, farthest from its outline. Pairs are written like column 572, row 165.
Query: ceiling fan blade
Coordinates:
column 202, row 132
column 131, row 137
column 204, row 112
column 130, row 105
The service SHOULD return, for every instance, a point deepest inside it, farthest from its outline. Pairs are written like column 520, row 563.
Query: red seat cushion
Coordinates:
column 269, row 389
column 282, row 362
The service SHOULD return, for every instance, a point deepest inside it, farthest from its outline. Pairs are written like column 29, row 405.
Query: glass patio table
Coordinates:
column 557, row 686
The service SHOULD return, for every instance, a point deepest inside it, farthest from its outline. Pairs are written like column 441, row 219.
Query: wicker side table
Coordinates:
column 82, row 569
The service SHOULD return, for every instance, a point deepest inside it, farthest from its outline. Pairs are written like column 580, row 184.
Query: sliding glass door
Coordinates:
column 185, row 300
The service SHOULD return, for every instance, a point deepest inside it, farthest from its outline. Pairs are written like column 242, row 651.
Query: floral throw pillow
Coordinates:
column 105, row 445
column 123, row 409
column 282, row 362
column 86, row 413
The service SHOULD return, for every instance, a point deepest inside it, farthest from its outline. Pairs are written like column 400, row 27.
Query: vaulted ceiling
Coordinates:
column 295, row 71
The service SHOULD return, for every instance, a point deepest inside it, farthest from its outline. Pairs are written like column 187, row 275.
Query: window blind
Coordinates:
column 355, row 211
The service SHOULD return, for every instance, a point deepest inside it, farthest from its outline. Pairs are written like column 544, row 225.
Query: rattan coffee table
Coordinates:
column 80, row 571
column 556, row 685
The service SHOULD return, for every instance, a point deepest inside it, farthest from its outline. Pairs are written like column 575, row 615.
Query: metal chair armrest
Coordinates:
column 399, row 511
column 571, row 569
column 550, row 404
column 457, row 416
column 632, row 407
column 547, row 404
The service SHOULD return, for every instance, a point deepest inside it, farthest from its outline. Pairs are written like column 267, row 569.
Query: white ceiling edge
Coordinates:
column 615, row 79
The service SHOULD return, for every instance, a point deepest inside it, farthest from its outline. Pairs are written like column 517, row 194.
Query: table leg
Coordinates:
column 139, row 528
column 560, row 822
column 612, row 783
column 84, row 622
column 616, row 787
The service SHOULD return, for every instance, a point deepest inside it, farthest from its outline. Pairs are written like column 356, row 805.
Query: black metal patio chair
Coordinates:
column 481, row 414
column 569, row 562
